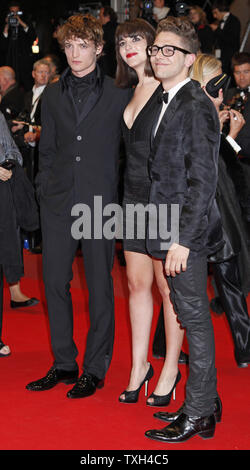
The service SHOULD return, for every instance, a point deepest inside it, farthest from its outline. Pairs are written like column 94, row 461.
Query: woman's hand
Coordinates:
column 217, row 101
column 5, row 175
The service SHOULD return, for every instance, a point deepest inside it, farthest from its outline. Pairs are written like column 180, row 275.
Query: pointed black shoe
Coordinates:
column 183, row 428
column 242, row 358
column 85, row 386
column 170, row 417
column 53, row 377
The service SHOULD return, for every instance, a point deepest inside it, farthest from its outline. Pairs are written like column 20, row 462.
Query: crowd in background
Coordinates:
column 31, row 58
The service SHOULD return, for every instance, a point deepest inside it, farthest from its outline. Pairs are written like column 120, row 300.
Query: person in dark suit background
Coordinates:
column 183, row 170
column 78, row 160
column 27, row 136
column 238, row 97
column 226, row 32
column 12, row 96
column 108, row 19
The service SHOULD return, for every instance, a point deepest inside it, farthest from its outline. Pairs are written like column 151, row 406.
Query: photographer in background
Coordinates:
column 17, row 38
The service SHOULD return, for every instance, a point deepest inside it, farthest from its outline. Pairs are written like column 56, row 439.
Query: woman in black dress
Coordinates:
column 17, row 209
column 134, row 70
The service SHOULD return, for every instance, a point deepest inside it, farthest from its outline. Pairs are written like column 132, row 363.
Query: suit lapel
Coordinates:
column 92, row 99
column 167, row 118
column 164, row 122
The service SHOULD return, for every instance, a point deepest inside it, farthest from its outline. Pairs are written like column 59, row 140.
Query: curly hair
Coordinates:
column 85, row 27
column 182, row 27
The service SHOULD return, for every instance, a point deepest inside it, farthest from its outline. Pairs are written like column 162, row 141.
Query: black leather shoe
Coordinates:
column 183, row 428
column 242, row 358
column 85, row 386
column 183, row 358
column 216, row 306
column 170, row 417
column 53, row 377
column 27, row 303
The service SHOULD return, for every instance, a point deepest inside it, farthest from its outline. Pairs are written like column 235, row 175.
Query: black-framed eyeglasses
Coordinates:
column 166, row 50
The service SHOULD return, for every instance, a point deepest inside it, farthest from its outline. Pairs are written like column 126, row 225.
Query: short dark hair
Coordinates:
column 81, row 26
column 125, row 75
column 182, row 27
column 108, row 11
column 221, row 5
column 240, row 58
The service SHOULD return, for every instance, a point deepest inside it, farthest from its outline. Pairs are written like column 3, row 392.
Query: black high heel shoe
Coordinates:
column 133, row 395
column 164, row 400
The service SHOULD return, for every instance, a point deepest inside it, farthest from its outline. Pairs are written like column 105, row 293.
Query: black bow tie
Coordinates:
column 163, row 97
column 244, row 90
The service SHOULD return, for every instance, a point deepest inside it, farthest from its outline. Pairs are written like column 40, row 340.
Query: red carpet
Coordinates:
column 50, row 421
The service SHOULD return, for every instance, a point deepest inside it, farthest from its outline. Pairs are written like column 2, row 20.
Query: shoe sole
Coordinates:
column 203, row 434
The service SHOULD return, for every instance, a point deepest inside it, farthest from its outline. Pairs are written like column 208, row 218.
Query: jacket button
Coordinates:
column 78, row 159
column 79, row 137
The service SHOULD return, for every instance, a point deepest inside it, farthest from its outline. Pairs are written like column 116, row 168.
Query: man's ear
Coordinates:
column 99, row 49
column 189, row 59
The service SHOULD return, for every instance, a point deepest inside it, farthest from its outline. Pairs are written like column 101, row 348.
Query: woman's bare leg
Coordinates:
column 140, row 275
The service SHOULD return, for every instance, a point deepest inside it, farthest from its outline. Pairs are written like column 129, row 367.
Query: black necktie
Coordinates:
column 163, row 97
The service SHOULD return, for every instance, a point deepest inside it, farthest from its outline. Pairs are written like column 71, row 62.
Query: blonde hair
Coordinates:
column 201, row 13
column 203, row 66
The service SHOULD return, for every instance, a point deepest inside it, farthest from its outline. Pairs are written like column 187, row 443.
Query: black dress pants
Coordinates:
column 228, row 283
column 59, row 248
column 188, row 293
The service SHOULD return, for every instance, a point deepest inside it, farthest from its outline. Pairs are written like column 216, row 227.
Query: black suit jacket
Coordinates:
column 12, row 102
column 79, row 153
column 228, row 41
column 184, row 167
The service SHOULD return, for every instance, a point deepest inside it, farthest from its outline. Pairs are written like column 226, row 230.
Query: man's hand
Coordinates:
column 176, row 260
column 30, row 137
column 18, row 126
column 5, row 175
column 237, row 121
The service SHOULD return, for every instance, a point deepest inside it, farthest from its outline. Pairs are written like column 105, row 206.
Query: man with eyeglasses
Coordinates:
column 183, row 170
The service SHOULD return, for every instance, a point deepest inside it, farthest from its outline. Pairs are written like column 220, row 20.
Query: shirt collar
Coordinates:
column 172, row 92
column 64, row 79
